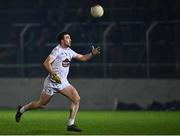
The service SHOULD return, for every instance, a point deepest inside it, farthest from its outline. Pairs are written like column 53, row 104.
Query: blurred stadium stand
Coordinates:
column 139, row 38
column 173, row 105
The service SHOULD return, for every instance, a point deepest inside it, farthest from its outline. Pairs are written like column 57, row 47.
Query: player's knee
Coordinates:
column 77, row 99
column 41, row 105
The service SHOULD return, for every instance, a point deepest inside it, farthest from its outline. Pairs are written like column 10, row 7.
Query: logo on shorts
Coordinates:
column 66, row 63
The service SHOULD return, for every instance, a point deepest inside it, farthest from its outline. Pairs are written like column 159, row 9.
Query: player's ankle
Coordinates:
column 22, row 110
column 71, row 122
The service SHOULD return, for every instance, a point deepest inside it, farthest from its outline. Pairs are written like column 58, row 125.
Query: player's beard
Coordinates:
column 68, row 45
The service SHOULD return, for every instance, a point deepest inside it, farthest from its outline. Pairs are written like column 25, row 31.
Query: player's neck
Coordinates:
column 63, row 46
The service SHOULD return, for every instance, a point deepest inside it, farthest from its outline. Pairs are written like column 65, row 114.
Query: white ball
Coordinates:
column 97, row 11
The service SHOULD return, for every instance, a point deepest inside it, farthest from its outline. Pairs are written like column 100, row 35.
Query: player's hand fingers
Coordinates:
column 98, row 50
column 95, row 51
column 57, row 78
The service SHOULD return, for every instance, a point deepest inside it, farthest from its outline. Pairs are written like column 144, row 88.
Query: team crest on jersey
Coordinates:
column 66, row 63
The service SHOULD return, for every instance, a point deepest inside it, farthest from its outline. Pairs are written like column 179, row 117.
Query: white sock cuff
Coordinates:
column 22, row 110
column 71, row 122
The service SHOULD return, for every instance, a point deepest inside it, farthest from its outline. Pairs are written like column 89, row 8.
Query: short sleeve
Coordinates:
column 73, row 53
column 54, row 53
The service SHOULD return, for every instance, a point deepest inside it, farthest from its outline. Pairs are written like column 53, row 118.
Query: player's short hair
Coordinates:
column 60, row 35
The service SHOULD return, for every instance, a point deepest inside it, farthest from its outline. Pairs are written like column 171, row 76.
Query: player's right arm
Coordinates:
column 47, row 64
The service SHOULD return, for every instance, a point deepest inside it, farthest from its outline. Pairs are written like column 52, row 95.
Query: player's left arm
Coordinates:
column 84, row 57
column 94, row 52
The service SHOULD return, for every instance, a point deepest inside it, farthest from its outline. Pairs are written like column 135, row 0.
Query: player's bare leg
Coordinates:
column 41, row 103
column 73, row 95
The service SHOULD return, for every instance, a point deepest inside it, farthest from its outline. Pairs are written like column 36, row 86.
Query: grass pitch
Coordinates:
column 44, row 122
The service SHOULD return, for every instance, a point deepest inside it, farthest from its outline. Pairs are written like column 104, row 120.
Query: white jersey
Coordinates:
column 62, row 58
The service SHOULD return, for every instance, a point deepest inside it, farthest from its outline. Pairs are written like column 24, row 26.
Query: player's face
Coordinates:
column 67, row 40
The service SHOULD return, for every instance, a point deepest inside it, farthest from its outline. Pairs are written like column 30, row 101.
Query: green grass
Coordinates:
column 92, row 122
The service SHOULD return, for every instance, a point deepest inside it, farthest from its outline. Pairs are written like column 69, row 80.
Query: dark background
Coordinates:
column 139, row 38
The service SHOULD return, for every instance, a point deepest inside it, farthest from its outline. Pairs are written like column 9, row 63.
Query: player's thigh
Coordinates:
column 44, row 98
column 71, row 93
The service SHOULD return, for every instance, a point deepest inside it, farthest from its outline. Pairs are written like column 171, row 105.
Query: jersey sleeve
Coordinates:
column 73, row 54
column 54, row 53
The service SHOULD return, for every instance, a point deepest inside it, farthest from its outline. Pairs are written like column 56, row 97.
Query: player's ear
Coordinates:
column 62, row 41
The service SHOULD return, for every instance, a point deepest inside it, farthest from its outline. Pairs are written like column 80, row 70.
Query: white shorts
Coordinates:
column 51, row 87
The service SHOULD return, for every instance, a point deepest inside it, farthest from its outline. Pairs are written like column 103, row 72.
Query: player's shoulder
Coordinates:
column 56, row 48
column 69, row 49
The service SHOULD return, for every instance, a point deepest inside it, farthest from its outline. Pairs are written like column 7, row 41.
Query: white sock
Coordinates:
column 71, row 122
column 22, row 110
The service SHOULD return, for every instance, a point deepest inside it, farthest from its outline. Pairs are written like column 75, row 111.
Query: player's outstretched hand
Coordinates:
column 57, row 78
column 95, row 51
